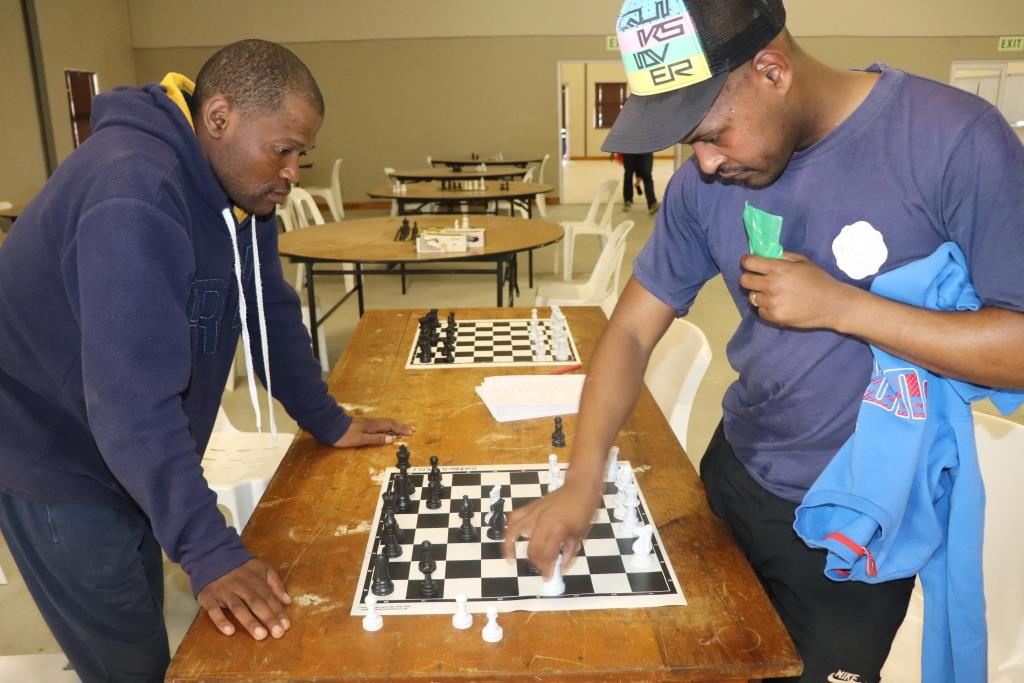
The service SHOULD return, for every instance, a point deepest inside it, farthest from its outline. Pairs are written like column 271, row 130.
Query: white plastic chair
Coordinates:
column 674, row 372
column 1001, row 455
column 307, row 213
column 238, row 466
column 332, row 194
column 388, row 171
column 542, row 206
column 598, row 221
column 602, row 283
column 286, row 214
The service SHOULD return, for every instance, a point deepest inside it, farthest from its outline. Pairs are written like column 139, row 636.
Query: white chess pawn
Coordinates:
column 555, row 585
column 462, row 619
column 372, row 621
column 631, row 524
column 554, row 473
column 613, row 462
column 492, row 631
column 642, row 557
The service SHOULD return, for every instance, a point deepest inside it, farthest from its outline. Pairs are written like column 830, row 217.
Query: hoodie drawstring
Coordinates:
column 229, row 221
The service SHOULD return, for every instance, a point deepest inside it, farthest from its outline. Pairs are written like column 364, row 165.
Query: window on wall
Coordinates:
column 82, row 87
column 608, row 101
column 1001, row 83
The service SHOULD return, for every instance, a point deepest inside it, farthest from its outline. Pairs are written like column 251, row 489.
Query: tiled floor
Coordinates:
column 22, row 631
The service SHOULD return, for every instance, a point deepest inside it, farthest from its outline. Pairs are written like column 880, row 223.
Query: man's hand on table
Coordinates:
column 372, row 431
column 556, row 523
column 254, row 594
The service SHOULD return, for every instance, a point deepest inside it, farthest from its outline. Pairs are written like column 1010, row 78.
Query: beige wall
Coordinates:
column 88, row 36
column 392, row 102
column 23, row 170
column 159, row 23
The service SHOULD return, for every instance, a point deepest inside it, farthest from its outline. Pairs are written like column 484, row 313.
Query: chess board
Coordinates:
column 493, row 343
column 599, row 578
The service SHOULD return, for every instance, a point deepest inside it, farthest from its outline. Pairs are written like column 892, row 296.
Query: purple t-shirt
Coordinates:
column 919, row 163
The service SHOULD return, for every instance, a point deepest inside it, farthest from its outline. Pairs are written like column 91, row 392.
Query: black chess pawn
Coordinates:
column 435, row 471
column 415, row 231
column 382, row 583
column 466, row 531
column 496, row 521
column 427, row 566
column 558, row 436
column 433, row 495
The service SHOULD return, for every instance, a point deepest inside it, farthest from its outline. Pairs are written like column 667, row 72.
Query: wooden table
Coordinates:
column 418, row 196
column 460, row 161
column 371, row 240
column 493, row 172
column 308, row 526
column 12, row 213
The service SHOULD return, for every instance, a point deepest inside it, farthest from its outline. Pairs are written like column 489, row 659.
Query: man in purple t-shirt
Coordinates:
column 869, row 170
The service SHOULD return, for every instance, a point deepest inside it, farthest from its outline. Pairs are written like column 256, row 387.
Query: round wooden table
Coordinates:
column 460, row 161
column 372, row 240
column 495, row 172
column 418, row 195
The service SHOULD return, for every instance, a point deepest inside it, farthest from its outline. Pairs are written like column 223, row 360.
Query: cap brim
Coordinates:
column 654, row 122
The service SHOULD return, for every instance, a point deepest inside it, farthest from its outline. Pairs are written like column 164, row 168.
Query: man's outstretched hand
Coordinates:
column 373, row 431
column 254, row 594
column 555, row 524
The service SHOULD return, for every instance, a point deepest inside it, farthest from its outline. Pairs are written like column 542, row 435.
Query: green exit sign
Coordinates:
column 1011, row 44
column 612, row 43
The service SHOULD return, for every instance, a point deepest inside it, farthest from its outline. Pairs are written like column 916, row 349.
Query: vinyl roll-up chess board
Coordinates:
column 493, row 343
column 601, row 576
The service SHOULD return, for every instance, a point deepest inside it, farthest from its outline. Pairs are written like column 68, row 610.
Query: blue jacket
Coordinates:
column 118, row 323
column 904, row 494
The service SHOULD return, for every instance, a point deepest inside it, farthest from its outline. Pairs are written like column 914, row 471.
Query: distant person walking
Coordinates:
column 638, row 168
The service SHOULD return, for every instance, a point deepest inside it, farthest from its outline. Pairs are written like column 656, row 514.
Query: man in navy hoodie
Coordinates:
column 119, row 318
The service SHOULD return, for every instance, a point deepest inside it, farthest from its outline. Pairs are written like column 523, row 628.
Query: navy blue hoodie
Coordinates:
column 119, row 322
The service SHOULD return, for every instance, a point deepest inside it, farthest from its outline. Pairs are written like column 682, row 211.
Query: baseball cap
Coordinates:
column 678, row 55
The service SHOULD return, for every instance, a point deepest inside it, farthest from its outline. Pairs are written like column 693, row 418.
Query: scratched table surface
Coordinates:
column 313, row 523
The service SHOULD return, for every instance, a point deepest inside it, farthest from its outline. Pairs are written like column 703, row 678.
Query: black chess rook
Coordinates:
column 382, row 583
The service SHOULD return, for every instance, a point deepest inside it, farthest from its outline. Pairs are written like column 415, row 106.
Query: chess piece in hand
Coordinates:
column 555, row 524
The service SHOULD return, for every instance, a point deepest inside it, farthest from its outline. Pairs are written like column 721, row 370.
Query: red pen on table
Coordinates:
column 568, row 369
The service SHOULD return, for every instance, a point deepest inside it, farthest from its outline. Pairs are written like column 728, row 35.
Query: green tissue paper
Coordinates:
column 763, row 230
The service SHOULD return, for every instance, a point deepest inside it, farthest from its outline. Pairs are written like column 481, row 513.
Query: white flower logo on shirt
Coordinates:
column 860, row 250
